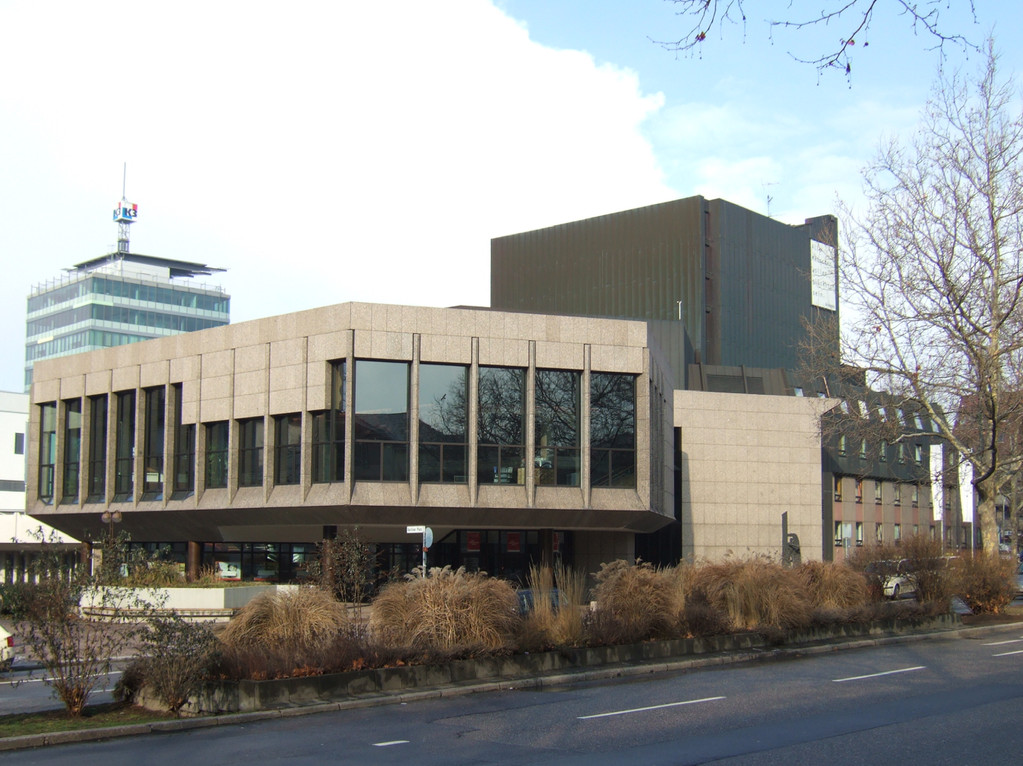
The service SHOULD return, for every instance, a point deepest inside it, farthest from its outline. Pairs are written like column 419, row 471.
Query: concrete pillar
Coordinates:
column 193, row 560
column 547, row 547
column 85, row 556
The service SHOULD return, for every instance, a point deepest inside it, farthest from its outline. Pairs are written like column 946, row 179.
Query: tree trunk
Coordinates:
column 987, row 494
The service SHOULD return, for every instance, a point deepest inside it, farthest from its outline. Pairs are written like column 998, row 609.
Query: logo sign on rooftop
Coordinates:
column 126, row 212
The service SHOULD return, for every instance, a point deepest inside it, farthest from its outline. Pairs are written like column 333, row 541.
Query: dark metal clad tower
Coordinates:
column 737, row 282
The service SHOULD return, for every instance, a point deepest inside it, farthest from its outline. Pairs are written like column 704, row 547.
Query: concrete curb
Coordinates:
column 458, row 690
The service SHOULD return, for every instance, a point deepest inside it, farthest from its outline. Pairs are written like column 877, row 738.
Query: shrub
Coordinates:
column 929, row 565
column 449, row 611
column 555, row 618
column 984, row 582
column 343, row 567
column 755, row 594
column 75, row 652
column 175, row 661
column 871, row 561
column 831, row 586
column 299, row 619
column 14, row 596
column 638, row 602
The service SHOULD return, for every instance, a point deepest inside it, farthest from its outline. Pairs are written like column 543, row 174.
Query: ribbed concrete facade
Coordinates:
column 282, row 365
column 751, row 471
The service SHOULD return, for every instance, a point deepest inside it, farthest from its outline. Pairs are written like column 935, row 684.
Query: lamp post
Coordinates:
column 110, row 518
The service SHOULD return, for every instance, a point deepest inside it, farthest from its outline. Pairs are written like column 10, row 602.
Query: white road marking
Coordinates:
column 652, row 707
column 877, row 675
column 392, row 742
column 43, row 679
column 1000, row 643
column 1006, row 654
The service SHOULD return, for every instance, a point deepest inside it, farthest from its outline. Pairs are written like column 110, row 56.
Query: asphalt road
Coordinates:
column 923, row 702
column 25, row 691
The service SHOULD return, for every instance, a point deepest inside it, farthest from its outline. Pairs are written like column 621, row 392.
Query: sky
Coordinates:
column 325, row 152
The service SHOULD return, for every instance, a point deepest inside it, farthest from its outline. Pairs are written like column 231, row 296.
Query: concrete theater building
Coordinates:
column 517, row 433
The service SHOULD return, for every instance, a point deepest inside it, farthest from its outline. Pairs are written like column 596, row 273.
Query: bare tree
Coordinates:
column 851, row 18
column 933, row 276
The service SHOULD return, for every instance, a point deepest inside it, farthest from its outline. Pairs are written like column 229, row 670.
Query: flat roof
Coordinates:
column 177, row 268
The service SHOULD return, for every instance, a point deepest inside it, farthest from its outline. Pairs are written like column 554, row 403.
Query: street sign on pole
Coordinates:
column 417, row 530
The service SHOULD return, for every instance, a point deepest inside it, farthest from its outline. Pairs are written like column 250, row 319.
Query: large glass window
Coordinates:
column 500, row 428
column 216, row 454
column 184, row 450
column 558, row 404
column 47, row 450
column 329, row 431
column 152, row 443
column 250, row 452
column 443, row 419
column 124, row 459
column 612, row 430
column 72, row 450
column 287, row 448
column 381, row 420
column 97, row 449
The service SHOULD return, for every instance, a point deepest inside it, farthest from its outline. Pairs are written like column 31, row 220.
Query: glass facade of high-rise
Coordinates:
column 117, row 299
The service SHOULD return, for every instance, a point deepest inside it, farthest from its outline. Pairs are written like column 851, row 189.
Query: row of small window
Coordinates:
column 878, row 411
column 78, row 341
column 380, row 428
column 843, row 530
column 123, row 315
column 878, row 491
column 119, row 288
column 916, row 450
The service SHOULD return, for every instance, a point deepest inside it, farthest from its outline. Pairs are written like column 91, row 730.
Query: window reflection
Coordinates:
column 288, row 448
column 47, row 450
column 72, row 450
column 329, row 431
column 443, row 414
column 501, row 450
column 250, row 452
column 124, row 461
column 612, row 430
column 381, row 421
column 216, row 455
column 557, row 427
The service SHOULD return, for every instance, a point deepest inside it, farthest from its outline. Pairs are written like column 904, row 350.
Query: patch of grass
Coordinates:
column 93, row 717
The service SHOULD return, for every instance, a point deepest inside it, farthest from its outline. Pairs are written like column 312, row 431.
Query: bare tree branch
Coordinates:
column 852, row 17
column 933, row 276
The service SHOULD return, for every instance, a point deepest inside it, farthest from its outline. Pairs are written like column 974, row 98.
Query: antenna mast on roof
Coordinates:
column 125, row 214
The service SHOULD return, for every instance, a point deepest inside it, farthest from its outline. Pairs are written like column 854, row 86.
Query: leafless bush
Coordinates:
column 451, row 610
column 831, row 586
column 755, row 593
column 555, row 618
column 935, row 579
column 76, row 652
column 875, row 561
column 347, row 650
column 638, row 602
column 301, row 619
column 984, row 582
column 175, row 661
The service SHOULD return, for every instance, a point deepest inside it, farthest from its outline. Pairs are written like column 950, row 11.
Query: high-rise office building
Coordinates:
column 120, row 298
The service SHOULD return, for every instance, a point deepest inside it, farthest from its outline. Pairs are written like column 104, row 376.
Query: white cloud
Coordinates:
column 321, row 151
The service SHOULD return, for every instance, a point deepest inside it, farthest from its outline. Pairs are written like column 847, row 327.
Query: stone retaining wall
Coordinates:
column 249, row 696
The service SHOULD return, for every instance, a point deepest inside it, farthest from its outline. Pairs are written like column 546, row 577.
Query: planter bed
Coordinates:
column 250, row 696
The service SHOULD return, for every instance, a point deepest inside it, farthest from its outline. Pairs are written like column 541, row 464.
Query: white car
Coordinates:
column 895, row 577
column 6, row 649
